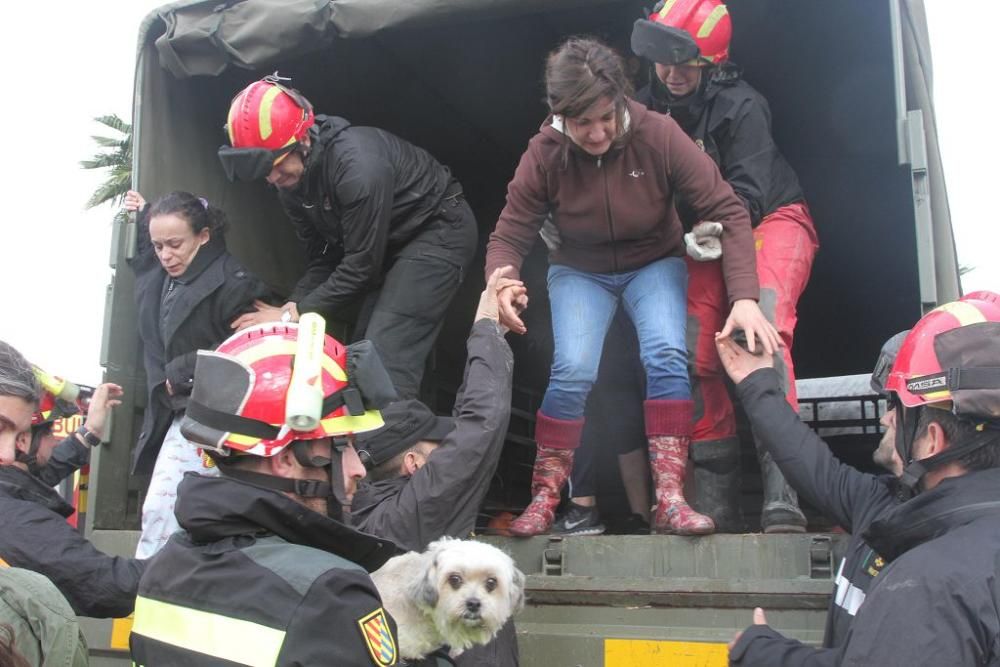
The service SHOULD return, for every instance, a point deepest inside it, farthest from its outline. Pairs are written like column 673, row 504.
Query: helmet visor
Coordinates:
column 250, row 164
column 663, row 44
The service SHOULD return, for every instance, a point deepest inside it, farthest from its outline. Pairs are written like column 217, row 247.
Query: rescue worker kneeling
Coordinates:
column 267, row 571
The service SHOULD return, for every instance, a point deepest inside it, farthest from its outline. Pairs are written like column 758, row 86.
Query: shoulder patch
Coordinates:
column 378, row 637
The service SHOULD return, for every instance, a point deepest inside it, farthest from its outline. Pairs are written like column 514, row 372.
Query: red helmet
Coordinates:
column 953, row 354
column 241, row 393
column 706, row 22
column 267, row 115
column 60, row 398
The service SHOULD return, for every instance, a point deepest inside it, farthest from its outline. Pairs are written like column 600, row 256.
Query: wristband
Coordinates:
column 90, row 438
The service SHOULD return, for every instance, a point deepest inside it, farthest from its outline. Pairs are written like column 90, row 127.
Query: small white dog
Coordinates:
column 458, row 592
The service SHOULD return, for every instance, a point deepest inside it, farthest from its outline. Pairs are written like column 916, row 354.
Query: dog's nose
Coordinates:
column 473, row 604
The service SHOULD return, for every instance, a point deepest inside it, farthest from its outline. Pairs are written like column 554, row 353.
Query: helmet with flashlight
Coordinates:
column 267, row 120
column 59, row 399
column 950, row 360
column 277, row 386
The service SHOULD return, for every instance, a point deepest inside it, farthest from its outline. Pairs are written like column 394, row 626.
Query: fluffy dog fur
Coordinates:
column 458, row 592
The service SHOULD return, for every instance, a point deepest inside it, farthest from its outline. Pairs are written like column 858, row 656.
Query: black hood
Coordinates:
column 688, row 109
column 215, row 508
column 954, row 502
column 321, row 136
column 19, row 484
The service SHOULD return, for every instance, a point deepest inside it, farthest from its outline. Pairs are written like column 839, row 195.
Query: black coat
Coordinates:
column 251, row 555
column 365, row 194
column 731, row 122
column 444, row 496
column 213, row 291
column 938, row 600
column 34, row 535
column 851, row 498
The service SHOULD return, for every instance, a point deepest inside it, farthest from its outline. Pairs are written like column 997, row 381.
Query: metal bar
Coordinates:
column 899, row 81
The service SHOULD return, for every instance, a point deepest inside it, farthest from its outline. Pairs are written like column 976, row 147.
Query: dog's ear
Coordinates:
column 516, row 590
column 423, row 589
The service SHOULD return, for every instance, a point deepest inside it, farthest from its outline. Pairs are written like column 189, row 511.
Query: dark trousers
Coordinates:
column 404, row 315
column 614, row 408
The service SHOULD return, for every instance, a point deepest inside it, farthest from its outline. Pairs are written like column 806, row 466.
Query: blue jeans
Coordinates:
column 654, row 297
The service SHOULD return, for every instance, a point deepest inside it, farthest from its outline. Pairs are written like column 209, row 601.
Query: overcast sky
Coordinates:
column 77, row 63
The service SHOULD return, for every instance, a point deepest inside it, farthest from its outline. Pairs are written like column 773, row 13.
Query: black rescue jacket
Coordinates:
column 731, row 122
column 851, row 498
column 275, row 582
column 365, row 194
column 938, row 600
column 214, row 291
column 444, row 496
column 34, row 535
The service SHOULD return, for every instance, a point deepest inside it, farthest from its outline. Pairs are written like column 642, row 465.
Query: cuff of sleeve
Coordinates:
column 761, row 380
column 749, row 635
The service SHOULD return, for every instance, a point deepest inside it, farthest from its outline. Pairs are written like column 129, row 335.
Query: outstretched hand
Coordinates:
column 104, row 398
column 746, row 315
column 512, row 299
column 737, row 361
column 489, row 301
column 758, row 619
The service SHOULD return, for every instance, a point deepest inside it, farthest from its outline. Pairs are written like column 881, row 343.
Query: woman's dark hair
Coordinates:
column 9, row 655
column 580, row 73
column 196, row 210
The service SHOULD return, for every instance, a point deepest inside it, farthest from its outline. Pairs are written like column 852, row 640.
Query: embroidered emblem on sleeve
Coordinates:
column 378, row 637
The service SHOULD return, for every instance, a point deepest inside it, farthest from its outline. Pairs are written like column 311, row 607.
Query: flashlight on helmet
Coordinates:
column 64, row 390
column 304, row 400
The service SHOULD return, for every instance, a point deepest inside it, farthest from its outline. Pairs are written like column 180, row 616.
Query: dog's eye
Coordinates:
column 491, row 584
column 455, row 581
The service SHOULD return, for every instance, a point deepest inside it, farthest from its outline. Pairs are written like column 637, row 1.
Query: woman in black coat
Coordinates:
column 189, row 290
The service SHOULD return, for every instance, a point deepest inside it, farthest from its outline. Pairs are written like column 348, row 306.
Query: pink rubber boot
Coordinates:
column 668, row 427
column 557, row 439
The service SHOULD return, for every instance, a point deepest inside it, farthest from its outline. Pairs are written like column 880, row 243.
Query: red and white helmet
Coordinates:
column 241, row 390
column 685, row 32
column 949, row 360
column 266, row 122
column 945, row 355
column 268, row 115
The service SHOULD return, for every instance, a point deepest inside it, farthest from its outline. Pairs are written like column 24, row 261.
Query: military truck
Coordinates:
column 849, row 84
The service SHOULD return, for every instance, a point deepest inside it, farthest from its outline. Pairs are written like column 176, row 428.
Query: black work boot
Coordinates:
column 781, row 513
column 717, row 483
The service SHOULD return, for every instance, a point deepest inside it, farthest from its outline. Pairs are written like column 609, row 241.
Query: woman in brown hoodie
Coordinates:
column 605, row 170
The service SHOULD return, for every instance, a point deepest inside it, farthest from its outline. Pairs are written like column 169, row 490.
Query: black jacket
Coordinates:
column 847, row 496
column 365, row 194
column 731, row 122
column 34, row 535
column 214, row 291
column 444, row 496
column 66, row 458
column 253, row 558
column 938, row 600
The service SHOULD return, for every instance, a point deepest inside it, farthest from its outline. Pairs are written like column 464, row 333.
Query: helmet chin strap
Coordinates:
column 908, row 419
column 332, row 490
column 30, row 458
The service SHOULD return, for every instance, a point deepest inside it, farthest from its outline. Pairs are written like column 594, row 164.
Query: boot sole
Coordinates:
column 593, row 530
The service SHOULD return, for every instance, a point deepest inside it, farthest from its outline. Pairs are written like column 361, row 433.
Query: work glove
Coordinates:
column 704, row 241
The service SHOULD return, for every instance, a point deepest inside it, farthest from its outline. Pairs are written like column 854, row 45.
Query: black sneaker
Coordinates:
column 578, row 520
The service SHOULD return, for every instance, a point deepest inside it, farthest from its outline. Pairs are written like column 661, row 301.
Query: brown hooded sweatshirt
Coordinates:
column 616, row 212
